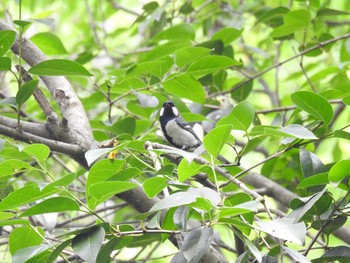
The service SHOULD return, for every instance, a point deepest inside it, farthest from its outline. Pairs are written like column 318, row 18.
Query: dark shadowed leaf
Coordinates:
column 26, row 91
column 57, row 251
column 334, row 254
column 59, row 67
column 196, row 243
column 180, row 217
column 113, row 244
column 310, row 163
column 88, row 244
column 309, row 202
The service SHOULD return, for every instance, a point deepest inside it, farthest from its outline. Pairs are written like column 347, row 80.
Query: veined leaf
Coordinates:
column 59, row 67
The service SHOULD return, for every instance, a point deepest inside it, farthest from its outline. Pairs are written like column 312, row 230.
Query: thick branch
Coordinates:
column 70, row 106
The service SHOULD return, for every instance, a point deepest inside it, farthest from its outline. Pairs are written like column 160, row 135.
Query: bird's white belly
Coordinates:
column 180, row 136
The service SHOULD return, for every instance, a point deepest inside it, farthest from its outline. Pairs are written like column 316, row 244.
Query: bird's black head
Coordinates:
column 169, row 110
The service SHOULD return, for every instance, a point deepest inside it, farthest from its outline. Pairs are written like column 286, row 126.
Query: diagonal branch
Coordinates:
column 76, row 125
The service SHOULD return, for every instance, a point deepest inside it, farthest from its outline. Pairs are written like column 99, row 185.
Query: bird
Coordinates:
column 177, row 131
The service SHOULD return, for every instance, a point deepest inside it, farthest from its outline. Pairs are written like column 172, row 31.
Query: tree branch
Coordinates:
column 77, row 129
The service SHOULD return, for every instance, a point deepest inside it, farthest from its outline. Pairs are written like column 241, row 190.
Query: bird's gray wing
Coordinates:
column 184, row 125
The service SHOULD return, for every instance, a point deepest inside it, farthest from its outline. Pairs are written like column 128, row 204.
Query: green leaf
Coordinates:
column 310, row 163
column 52, row 205
column 13, row 166
column 293, row 21
column 186, row 56
column 216, row 138
column 210, row 64
column 314, row 180
column 59, row 67
column 7, row 38
column 346, row 100
column 14, row 222
column 178, row 32
column 227, row 35
column 22, row 196
column 166, row 49
column 184, row 86
column 243, row 91
column 22, row 237
column 154, row 185
column 6, row 215
column 113, row 244
column 88, row 244
column 26, row 91
column 156, row 68
column 63, row 181
column 339, row 171
column 342, row 134
column 22, row 23
column 102, row 170
column 49, row 43
column 186, row 170
column 314, row 104
column 40, row 152
column 5, row 63
column 241, row 116
column 104, row 190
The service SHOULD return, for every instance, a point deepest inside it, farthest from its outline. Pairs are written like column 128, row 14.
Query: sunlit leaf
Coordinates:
column 185, row 86
column 154, row 185
column 49, row 43
column 314, row 104
column 59, row 67
column 24, row 236
column 216, row 138
column 51, row 205
column 241, row 116
column 7, row 38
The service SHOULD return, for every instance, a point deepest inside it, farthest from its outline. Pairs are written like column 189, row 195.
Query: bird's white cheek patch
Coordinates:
column 161, row 112
column 175, row 111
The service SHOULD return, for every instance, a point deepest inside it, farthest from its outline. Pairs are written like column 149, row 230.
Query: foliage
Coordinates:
column 268, row 81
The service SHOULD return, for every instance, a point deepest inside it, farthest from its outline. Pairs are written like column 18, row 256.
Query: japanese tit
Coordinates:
column 177, row 131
